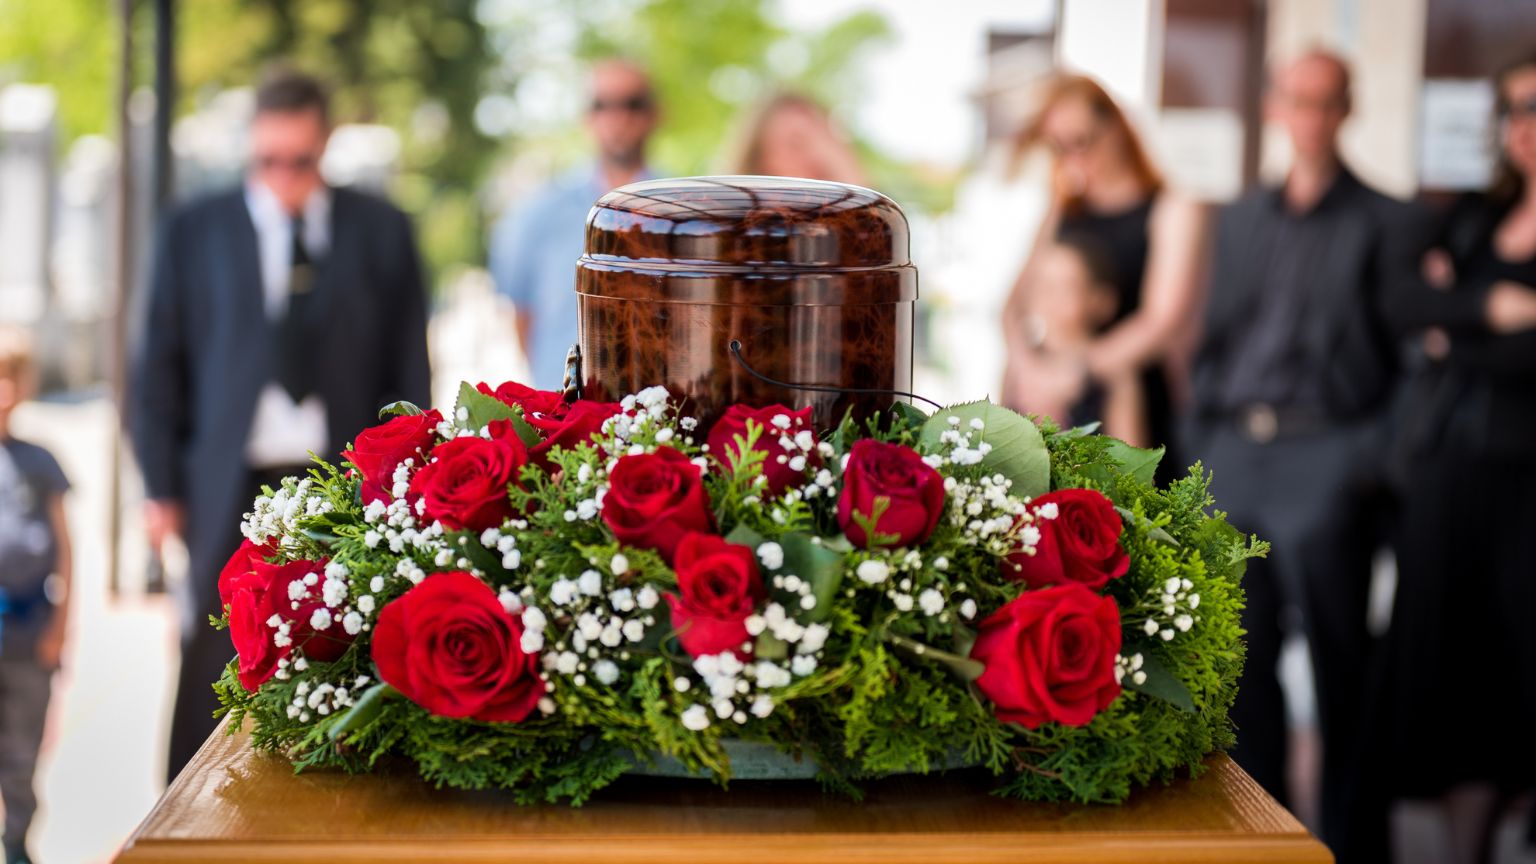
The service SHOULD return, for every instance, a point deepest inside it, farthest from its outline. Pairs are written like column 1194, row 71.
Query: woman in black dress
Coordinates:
column 1458, row 699
column 1107, row 191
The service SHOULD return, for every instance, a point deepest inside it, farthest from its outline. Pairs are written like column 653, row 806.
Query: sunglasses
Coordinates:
column 293, row 164
column 631, row 104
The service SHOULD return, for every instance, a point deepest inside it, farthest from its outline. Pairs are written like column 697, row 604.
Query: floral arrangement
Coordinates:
column 542, row 596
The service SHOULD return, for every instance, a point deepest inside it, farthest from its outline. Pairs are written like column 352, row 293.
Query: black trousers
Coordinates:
column 1317, row 499
column 204, row 650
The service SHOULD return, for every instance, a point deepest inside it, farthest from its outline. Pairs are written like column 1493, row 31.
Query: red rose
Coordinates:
column 576, row 424
column 378, row 450
column 654, row 499
column 718, row 586
column 530, row 400
column 1050, row 655
column 912, row 491
column 465, row 484
column 727, row 433
column 449, row 646
column 1080, row 543
column 272, row 614
column 239, row 570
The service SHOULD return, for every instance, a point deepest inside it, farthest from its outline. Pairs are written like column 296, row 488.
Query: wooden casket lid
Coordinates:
column 750, row 241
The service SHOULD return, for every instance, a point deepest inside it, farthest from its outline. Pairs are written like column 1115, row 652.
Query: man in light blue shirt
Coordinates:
column 536, row 244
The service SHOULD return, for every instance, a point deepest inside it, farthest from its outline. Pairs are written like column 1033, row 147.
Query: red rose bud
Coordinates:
column 654, row 499
column 1050, row 656
column 1079, row 542
column 378, row 450
column 718, row 587
column 465, row 485
column 239, row 570
column 273, row 613
column 449, row 646
column 779, row 462
column 576, row 424
column 912, row 492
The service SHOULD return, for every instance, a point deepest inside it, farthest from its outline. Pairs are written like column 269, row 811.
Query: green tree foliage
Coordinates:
column 424, row 69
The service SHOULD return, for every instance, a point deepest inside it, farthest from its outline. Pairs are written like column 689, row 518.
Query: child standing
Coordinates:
column 34, row 591
column 1071, row 299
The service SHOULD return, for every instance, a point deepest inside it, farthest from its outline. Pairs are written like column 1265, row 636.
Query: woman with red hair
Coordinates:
column 1106, row 193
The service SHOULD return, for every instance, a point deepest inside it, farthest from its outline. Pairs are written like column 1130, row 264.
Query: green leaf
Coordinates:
column 1139, row 462
column 905, row 414
column 1018, row 450
column 466, row 544
column 769, row 647
column 1156, row 532
column 964, row 668
column 481, row 410
column 816, row 564
column 1160, row 683
column 364, row 708
column 401, row 408
column 1075, row 432
column 745, row 536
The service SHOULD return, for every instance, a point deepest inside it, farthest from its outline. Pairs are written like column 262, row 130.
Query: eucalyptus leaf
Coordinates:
column 1018, row 450
column 364, row 708
column 401, row 408
column 1159, row 683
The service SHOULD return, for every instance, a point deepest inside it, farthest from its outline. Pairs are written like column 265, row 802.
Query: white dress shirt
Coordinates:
column 284, row 432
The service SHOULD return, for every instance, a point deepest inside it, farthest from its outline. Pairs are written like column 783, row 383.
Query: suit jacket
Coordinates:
column 204, row 351
column 1343, row 333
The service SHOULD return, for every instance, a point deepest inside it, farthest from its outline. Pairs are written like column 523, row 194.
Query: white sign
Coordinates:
column 1456, row 138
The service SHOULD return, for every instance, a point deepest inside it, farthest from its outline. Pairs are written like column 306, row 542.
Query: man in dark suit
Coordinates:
column 281, row 315
column 1291, row 384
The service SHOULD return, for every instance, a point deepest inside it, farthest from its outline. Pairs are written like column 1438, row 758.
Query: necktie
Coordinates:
column 295, row 362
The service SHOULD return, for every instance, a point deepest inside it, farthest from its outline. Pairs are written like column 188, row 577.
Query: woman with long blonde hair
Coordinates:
column 1106, row 192
column 790, row 134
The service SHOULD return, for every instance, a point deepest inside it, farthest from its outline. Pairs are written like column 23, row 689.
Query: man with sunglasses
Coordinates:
column 535, row 246
column 280, row 316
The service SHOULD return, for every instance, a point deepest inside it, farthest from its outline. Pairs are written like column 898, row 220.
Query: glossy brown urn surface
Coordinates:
column 812, row 278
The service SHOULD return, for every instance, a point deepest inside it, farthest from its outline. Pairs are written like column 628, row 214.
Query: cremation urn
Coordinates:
column 812, row 281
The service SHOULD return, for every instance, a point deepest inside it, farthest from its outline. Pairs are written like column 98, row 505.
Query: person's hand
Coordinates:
column 163, row 518
column 1511, row 307
column 50, row 645
column 1053, row 384
column 1436, row 343
column 1438, row 270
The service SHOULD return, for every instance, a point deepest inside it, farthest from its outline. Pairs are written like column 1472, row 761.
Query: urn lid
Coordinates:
column 755, row 223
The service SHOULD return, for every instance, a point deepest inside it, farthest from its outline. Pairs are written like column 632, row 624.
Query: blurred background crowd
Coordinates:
column 1292, row 239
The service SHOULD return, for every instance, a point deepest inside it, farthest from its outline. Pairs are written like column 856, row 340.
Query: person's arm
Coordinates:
column 1125, row 410
column 159, row 409
column 1170, row 295
column 50, row 646
column 411, row 379
column 1023, row 371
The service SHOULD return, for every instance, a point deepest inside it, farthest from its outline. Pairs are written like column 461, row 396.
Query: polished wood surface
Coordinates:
column 234, row 805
